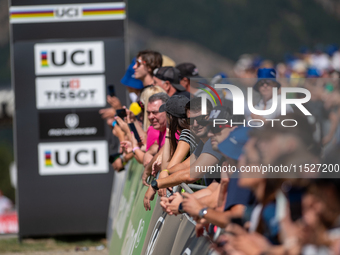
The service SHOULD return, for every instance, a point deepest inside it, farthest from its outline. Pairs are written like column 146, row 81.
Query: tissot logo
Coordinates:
column 66, row 92
column 73, row 158
column 65, row 58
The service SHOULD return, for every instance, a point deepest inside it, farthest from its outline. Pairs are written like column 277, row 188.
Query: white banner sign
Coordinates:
column 69, row 58
column 73, row 158
column 70, row 92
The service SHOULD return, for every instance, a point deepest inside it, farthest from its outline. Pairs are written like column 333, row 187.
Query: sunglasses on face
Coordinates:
column 139, row 62
column 190, row 121
column 218, row 128
column 268, row 82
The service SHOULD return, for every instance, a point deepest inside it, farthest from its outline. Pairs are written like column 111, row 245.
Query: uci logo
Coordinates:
column 64, row 158
column 69, row 58
column 72, row 12
column 73, row 157
column 60, row 58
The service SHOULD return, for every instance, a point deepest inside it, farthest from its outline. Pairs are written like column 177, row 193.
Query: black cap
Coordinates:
column 218, row 112
column 171, row 74
column 188, row 70
column 175, row 106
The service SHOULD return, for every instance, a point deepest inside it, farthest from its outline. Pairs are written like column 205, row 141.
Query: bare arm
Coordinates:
column 183, row 165
column 185, row 175
column 221, row 219
column 166, row 152
column 182, row 150
column 209, row 196
column 150, row 153
column 148, row 167
column 207, row 191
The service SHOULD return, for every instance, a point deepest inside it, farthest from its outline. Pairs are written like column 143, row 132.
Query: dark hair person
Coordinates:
column 176, row 114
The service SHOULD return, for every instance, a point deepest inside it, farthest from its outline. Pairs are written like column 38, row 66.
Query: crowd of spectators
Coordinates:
column 261, row 212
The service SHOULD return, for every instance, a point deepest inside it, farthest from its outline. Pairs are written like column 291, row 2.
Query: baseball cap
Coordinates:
column 129, row 79
column 175, row 106
column 266, row 74
column 188, row 70
column 171, row 74
column 232, row 146
column 218, row 112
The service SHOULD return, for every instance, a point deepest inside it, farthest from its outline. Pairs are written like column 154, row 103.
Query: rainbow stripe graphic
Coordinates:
column 32, row 14
column 79, row 12
column 44, row 61
column 102, row 11
column 48, row 161
column 213, row 90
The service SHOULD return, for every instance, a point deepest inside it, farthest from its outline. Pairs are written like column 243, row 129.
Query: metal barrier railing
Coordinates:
column 196, row 186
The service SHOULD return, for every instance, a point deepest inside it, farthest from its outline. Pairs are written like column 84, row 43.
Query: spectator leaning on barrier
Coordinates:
column 143, row 102
column 175, row 153
column 179, row 133
column 168, row 78
column 235, row 198
column 147, row 61
column 206, row 158
column 194, row 114
column 158, row 122
column 149, row 138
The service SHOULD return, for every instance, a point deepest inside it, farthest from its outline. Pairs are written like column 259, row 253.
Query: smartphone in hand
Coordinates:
column 121, row 113
column 111, row 90
column 135, row 132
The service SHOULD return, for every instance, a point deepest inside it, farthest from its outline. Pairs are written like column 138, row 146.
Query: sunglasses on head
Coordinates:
column 141, row 105
column 190, row 121
column 218, row 128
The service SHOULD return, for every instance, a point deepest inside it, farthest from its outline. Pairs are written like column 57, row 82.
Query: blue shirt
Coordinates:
column 237, row 195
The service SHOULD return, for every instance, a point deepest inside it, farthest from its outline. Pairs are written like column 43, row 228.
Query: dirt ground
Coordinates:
column 9, row 245
column 61, row 252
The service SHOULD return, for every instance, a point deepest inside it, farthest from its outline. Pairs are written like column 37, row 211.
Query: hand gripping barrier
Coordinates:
column 136, row 231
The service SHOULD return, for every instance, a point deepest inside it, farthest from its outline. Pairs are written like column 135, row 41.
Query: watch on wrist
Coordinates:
column 203, row 212
column 154, row 185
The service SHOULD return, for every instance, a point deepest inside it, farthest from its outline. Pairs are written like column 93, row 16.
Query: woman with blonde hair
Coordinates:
column 144, row 100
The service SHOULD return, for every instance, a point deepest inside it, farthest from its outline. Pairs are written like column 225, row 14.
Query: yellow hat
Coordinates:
column 135, row 108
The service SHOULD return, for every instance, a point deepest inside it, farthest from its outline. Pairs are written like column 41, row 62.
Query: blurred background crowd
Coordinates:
column 165, row 129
